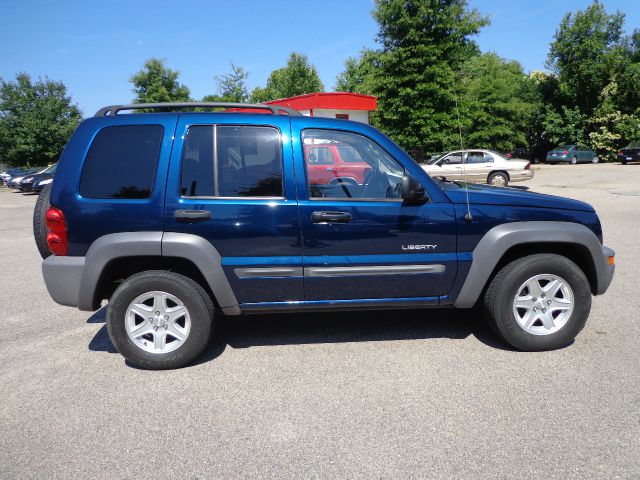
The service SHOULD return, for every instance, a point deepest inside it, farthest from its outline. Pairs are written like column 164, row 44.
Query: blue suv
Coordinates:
column 178, row 216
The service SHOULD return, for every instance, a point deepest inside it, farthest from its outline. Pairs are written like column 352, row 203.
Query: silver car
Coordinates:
column 479, row 166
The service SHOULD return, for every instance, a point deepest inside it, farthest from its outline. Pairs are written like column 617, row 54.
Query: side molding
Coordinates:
column 209, row 262
column 497, row 241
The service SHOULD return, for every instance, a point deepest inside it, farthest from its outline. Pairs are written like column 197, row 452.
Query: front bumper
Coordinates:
column 606, row 270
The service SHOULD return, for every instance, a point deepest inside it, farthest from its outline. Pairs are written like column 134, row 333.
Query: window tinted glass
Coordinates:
column 249, row 162
column 121, row 162
column 197, row 162
column 376, row 175
column 475, row 157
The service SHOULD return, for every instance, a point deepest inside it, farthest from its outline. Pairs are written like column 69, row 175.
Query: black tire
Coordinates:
column 195, row 299
column 499, row 297
column 495, row 175
column 574, row 160
column 40, row 223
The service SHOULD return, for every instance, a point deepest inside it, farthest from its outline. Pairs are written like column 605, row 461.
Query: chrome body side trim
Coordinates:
column 268, row 272
column 372, row 270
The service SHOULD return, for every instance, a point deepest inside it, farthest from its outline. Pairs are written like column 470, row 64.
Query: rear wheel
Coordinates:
column 539, row 302
column 574, row 160
column 498, row 179
column 160, row 320
column 39, row 221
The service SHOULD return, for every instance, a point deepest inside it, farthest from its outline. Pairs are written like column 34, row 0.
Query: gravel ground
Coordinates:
column 406, row 394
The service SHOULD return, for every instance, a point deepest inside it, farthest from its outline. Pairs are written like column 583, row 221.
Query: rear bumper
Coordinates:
column 63, row 278
column 521, row 176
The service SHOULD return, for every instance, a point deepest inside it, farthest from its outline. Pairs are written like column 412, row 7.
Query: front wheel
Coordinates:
column 538, row 302
column 595, row 159
column 160, row 320
column 498, row 179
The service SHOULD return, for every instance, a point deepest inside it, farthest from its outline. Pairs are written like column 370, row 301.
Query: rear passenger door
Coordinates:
column 233, row 167
column 478, row 165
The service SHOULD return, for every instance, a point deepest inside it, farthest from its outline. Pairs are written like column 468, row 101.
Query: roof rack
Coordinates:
column 275, row 109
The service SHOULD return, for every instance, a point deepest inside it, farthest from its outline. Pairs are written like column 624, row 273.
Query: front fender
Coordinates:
column 497, row 241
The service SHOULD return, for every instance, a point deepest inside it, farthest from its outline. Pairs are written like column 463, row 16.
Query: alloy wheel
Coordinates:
column 543, row 304
column 157, row 322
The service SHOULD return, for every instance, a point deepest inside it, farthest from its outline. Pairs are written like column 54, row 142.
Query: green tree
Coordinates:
column 36, row 120
column 585, row 51
column 498, row 102
column 232, row 86
column 569, row 126
column 158, row 83
column 297, row 77
column 359, row 74
column 425, row 44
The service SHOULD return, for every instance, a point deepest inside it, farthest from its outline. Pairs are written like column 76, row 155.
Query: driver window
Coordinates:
column 453, row 159
column 363, row 170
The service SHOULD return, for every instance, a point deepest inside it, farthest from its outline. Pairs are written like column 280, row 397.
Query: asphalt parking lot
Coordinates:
column 405, row 394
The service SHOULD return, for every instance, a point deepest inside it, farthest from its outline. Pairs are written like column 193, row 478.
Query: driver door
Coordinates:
column 361, row 241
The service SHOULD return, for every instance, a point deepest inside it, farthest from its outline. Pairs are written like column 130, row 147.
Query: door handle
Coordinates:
column 331, row 217
column 192, row 215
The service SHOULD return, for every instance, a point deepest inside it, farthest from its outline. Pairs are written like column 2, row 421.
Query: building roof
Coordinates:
column 329, row 100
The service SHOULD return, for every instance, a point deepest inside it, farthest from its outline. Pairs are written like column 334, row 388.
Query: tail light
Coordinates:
column 565, row 152
column 620, row 152
column 528, row 166
column 57, row 232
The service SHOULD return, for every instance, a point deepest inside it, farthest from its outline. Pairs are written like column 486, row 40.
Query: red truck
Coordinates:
column 335, row 163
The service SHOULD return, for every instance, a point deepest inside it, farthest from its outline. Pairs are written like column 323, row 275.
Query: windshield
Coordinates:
column 635, row 144
column 564, row 147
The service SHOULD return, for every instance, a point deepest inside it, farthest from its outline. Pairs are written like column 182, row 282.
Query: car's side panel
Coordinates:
column 89, row 219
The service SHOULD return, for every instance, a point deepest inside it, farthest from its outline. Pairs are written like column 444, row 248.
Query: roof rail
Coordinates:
column 275, row 109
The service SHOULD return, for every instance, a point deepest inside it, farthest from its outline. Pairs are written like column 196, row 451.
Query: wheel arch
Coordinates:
column 119, row 255
column 506, row 242
column 505, row 172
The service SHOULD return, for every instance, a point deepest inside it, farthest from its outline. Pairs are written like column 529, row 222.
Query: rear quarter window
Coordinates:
column 121, row 162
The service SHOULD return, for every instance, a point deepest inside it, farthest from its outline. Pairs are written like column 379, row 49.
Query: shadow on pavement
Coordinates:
column 330, row 327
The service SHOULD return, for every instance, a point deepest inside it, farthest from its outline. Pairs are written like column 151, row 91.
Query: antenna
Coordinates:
column 467, row 216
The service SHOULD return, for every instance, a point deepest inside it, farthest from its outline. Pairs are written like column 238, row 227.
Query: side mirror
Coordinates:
column 412, row 190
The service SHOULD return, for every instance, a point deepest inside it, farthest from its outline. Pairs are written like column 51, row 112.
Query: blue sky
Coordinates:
column 95, row 46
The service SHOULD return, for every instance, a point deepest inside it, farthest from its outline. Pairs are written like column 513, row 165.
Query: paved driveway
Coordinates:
column 404, row 394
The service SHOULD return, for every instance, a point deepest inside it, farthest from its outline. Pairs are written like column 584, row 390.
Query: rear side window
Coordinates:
column 121, row 162
column 231, row 161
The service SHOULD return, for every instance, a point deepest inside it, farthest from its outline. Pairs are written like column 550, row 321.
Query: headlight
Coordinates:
column 45, row 182
column 27, row 180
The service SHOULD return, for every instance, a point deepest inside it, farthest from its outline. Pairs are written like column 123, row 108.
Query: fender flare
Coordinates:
column 168, row 244
column 497, row 241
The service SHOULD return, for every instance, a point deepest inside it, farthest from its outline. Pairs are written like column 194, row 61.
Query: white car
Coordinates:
column 479, row 166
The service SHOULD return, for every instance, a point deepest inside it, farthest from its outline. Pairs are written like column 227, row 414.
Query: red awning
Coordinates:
column 330, row 100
